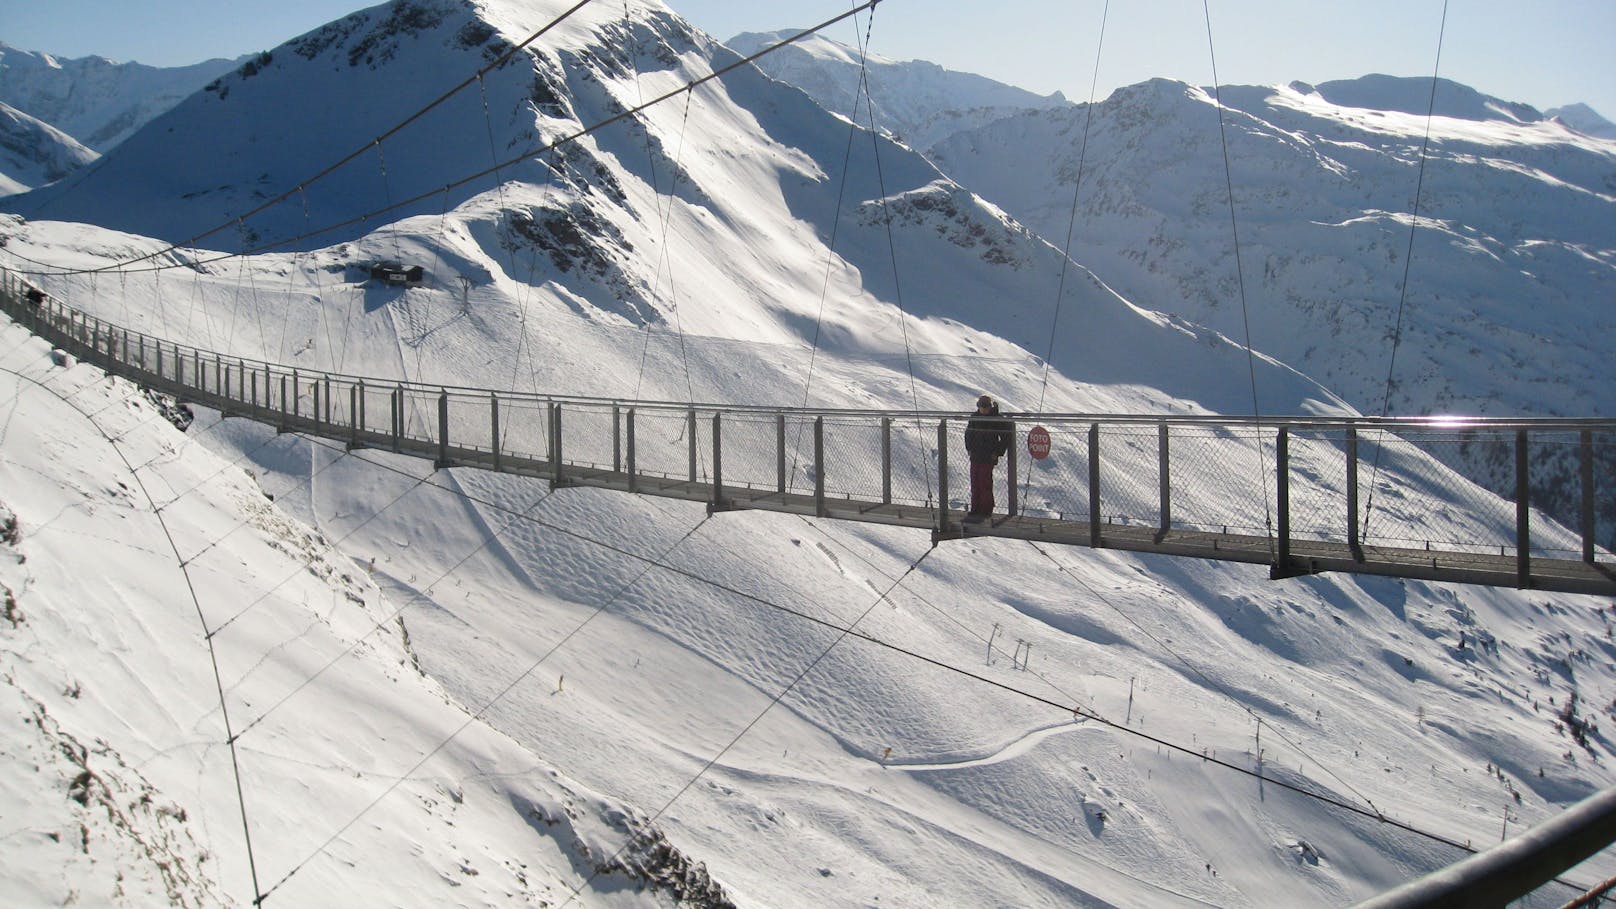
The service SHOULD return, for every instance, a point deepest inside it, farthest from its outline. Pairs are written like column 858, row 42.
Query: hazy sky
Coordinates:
column 1547, row 53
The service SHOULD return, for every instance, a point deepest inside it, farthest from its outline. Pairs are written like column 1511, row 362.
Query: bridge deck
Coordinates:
column 218, row 382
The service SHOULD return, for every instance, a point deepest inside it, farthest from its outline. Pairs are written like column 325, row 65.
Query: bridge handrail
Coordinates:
column 13, row 291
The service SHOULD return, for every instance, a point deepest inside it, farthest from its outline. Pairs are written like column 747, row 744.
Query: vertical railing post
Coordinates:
column 356, row 412
column 819, row 466
column 886, row 460
column 1523, row 511
column 328, row 404
column 1354, row 532
column 1164, row 481
column 555, row 445
column 181, row 377
column 617, row 439
column 944, row 516
column 493, row 421
column 297, row 395
column 718, row 466
column 1013, row 503
column 1586, row 450
column 398, row 418
column 780, row 453
column 318, row 411
column 1094, row 485
column 443, row 428
column 1282, row 479
column 690, row 435
column 628, row 454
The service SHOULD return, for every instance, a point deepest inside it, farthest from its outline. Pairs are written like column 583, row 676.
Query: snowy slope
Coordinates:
column 800, row 768
column 34, row 153
column 99, row 102
column 118, row 786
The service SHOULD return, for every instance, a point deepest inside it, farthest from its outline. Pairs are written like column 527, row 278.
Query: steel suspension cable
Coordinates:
column 1074, row 709
column 1408, row 262
column 1071, row 228
column 397, row 128
column 845, row 633
column 521, row 156
column 1240, row 278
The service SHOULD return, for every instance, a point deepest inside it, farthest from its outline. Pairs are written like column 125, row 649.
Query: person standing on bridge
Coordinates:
column 987, row 438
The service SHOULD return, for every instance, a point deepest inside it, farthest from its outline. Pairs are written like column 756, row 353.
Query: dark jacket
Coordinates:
column 987, row 436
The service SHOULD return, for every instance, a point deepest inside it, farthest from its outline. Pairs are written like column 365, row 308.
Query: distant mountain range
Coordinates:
column 1513, row 240
column 95, row 101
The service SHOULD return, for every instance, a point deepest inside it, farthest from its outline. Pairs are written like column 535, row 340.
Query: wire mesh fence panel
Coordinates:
column 1412, row 499
column 1602, row 493
column 914, row 461
column 418, row 413
column 1058, row 485
column 1130, row 487
column 853, row 460
column 471, row 421
column 523, row 428
column 1222, row 479
column 751, row 450
column 703, row 430
column 587, row 438
column 662, row 442
column 1317, row 469
column 1564, row 472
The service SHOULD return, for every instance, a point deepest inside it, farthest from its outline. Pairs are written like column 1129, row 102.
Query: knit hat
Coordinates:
column 984, row 401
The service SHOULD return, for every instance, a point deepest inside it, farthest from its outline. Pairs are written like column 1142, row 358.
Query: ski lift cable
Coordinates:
column 845, row 633
column 1408, row 262
column 1071, row 227
column 498, row 696
column 1212, row 683
column 1075, row 710
column 1240, row 277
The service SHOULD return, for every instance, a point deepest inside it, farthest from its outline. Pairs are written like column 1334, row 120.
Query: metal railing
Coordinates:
column 1299, row 494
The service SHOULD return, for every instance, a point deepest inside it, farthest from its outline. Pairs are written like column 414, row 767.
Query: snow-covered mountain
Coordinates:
column 1517, row 214
column 473, row 688
column 915, row 101
column 1584, row 119
column 97, row 101
column 34, row 153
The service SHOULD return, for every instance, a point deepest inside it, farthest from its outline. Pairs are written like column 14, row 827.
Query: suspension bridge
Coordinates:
column 1296, row 494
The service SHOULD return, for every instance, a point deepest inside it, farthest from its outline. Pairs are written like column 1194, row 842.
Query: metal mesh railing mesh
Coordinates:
column 662, row 443
column 1423, row 486
column 1318, row 485
column 1414, row 500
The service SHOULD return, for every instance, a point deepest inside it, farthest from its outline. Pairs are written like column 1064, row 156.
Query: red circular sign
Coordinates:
column 1038, row 443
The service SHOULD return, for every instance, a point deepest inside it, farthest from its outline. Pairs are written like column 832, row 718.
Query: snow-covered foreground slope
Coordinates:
column 147, row 580
column 638, row 661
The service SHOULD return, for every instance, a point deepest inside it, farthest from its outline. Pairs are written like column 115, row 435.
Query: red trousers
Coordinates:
column 982, row 488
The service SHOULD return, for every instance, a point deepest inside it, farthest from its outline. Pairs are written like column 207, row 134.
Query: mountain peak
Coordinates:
column 1413, row 95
